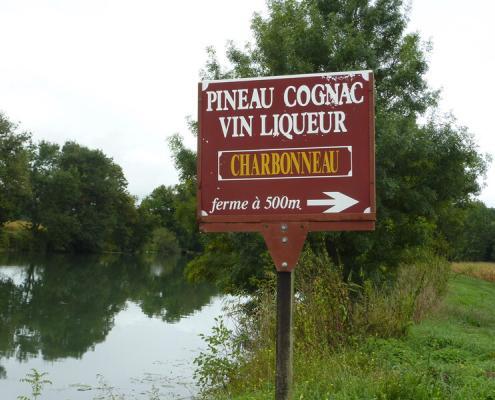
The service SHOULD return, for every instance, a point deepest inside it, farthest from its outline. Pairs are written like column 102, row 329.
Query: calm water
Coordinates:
column 95, row 323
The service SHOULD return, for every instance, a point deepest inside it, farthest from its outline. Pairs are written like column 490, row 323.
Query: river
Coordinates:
column 101, row 326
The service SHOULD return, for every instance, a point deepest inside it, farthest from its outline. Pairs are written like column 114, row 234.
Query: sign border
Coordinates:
column 316, row 222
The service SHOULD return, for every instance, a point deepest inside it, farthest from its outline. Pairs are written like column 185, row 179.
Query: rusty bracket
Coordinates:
column 285, row 241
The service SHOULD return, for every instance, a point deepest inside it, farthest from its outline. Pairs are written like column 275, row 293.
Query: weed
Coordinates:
column 37, row 381
column 106, row 391
column 218, row 363
column 389, row 310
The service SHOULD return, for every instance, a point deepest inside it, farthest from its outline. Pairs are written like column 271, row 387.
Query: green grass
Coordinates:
column 451, row 355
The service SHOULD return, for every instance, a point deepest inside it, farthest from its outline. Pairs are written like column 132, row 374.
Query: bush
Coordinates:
column 221, row 360
column 388, row 309
column 164, row 242
column 323, row 305
column 18, row 240
column 329, row 314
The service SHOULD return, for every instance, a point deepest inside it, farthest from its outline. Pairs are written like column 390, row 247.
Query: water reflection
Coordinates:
column 59, row 306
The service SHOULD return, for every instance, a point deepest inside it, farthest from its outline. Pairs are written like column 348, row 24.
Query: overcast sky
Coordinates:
column 121, row 75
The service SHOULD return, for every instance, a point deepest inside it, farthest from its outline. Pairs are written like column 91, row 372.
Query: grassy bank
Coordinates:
column 16, row 236
column 450, row 355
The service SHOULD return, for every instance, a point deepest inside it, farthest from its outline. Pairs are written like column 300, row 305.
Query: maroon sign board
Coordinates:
column 283, row 156
column 286, row 155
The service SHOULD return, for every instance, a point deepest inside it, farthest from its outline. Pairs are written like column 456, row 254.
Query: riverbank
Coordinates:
column 450, row 355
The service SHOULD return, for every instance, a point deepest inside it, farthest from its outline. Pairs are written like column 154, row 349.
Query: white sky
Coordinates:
column 121, row 75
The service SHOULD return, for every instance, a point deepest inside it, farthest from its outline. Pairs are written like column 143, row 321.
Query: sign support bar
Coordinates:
column 285, row 242
column 285, row 340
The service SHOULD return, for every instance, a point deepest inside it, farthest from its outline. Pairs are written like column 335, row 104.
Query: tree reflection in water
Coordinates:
column 60, row 306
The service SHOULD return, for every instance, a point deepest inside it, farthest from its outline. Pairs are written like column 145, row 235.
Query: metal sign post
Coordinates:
column 284, row 156
column 285, row 242
column 285, row 336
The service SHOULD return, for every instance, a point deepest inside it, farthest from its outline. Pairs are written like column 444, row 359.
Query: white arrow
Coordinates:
column 338, row 200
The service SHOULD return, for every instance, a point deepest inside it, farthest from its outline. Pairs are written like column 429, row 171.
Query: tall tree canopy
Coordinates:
column 476, row 240
column 15, row 187
column 80, row 200
column 174, row 207
column 425, row 172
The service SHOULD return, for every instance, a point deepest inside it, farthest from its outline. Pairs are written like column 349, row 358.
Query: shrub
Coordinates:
column 218, row 364
column 163, row 241
column 323, row 305
column 329, row 314
column 389, row 308
column 20, row 240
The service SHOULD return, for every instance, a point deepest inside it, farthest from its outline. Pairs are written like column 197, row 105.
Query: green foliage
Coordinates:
column 80, row 200
column 320, row 35
column 388, row 310
column 17, row 240
column 236, row 262
column 217, row 253
column 37, row 381
column 476, row 240
column 185, row 201
column 174, row 207
column 4, row 240
column 323, row 309
column 15, row 188
column 74, row 198
column 448, row 356
column 426, row 173
column 158, row 208
column 331, row 316
column 184, row 158
column 217, row 364
column 163, row 242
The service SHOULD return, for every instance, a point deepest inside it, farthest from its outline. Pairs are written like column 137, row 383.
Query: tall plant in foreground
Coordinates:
column 37, row 381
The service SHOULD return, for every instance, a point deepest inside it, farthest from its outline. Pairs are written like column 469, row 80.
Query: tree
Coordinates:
column 159, row 207
column 185, row 200
column 15, row 188
column 174, row 207
column 80, row 200
column 476, row 240
column 425, row 172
